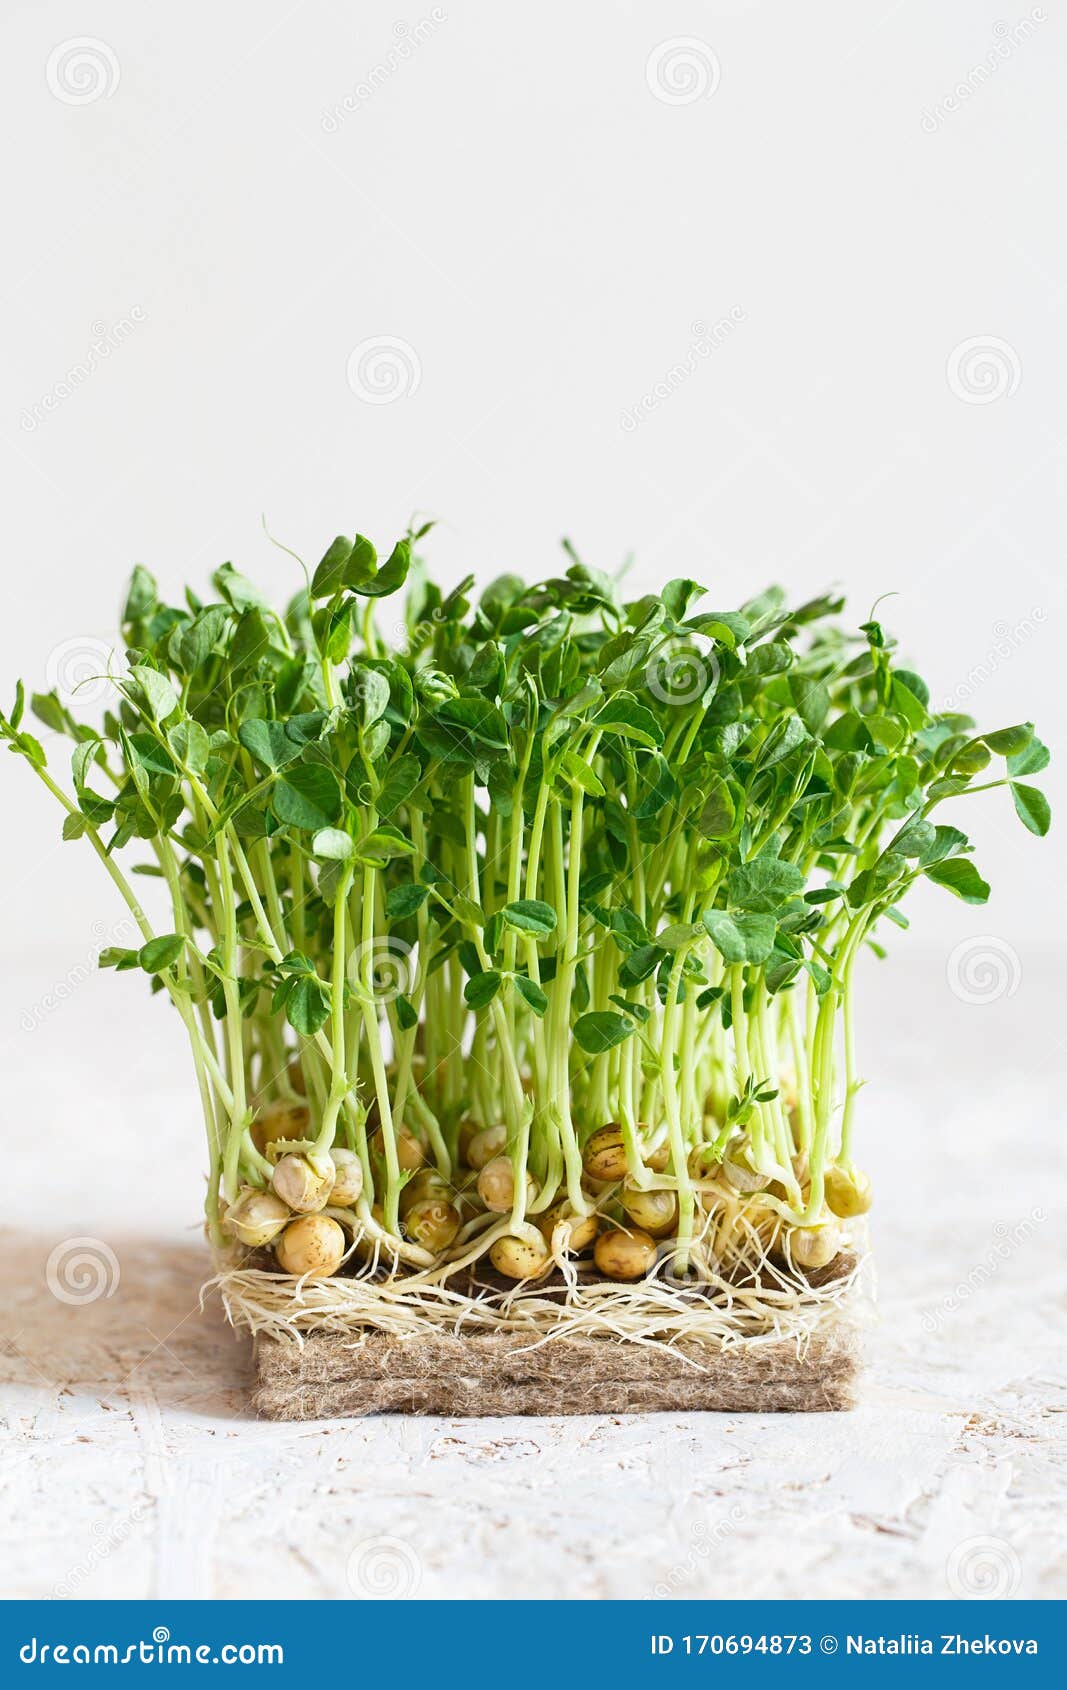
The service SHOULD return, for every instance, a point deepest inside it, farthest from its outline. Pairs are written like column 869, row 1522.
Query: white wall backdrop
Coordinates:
column 751, row 291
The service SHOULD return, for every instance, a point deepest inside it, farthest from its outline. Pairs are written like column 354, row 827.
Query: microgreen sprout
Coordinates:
column 532, row 932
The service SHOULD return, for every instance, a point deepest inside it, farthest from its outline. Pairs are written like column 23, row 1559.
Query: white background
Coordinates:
column 515, row 201
column 512, row 201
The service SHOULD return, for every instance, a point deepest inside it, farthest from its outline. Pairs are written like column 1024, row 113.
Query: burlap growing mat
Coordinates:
column 500, row 1373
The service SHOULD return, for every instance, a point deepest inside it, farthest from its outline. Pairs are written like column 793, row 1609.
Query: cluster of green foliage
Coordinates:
column 548, row 859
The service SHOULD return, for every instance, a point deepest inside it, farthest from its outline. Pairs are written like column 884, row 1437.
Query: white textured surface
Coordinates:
column 130, row 1466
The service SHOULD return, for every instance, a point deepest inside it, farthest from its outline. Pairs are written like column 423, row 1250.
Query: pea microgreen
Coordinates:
column 542, row 858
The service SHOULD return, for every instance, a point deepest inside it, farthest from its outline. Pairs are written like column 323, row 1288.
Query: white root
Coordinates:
column 766, row 1303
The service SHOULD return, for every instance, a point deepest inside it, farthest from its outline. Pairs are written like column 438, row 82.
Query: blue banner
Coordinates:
column 621, row 1645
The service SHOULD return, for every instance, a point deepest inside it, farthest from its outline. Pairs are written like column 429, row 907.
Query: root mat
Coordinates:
column 508, row 1374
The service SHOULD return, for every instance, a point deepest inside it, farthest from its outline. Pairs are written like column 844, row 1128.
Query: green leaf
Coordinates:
column 1031, row 760
column 623, row 715
column 950, row 787
column 384, row 843
column 681, row 933
column 155, row 690
column 333, row 844
column 404, row 901
column 764, row 884
column 530, row 915
column 487, row 672
column 531, row 993
column 658, row 789
column 741, row 938
column 401, row 779
column 578, row 771
column 297, row 962
column 467, row 911
column 390, row 577
column 971, row 759
column 145, row 752
column 906, row 702
column 729, row 627
column 119, row 959
column 191, row 647
column 786, row 737
column 848, row 733
column 916, row 839
column 268, row 743
column 677, row 596
column 307, row 797
column 161, row 953
column 329, row 576
column 960, row 876
column 371, row 688
column 1032, row 808
column 74, row 826
column 141, row 597
column 885, row 731
column 482, row 988
column 47, row 708
column 872, row 885
column 639, row 1011
column 407, row 1015
column 333, row 630
column 464, row 730
column 332, row 883
column 190, row 745
column 601, row 1030
column 113, row 956
column 770, row 659
column 947, row 842
column 307, row 1005
column 718, row 816
column 237, row 589
column 1010, row 742
column 812, row 700
column 914, row 683
column 640, row 964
